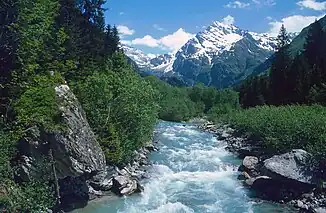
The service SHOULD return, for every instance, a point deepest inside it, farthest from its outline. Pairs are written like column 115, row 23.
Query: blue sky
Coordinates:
column 164, row 26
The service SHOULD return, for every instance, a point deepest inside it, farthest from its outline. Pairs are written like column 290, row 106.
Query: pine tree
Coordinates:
column 314, row 52
column 283, row 38
column 280, row 69
column 115, row 39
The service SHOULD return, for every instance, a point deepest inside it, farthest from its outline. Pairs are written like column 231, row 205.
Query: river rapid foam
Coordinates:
column 192, row 173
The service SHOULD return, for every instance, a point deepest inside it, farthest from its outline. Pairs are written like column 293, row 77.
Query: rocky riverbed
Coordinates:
column 285, row 178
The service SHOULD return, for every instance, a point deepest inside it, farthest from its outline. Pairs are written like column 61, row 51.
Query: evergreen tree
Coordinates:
column 283, row 38
column 314, row 52
column 280, row 69
column 115, row 39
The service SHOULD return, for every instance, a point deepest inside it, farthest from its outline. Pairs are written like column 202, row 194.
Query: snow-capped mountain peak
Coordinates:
column 157, row 63
column 204, row 48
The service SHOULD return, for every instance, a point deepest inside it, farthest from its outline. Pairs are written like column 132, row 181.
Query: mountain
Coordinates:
column 222, row 55
column 149, row 63
column 219, row 56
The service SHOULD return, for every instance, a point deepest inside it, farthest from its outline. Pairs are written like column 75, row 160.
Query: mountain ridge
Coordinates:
column 201, row 57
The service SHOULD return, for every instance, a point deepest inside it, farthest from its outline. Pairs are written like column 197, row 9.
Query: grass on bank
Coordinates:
column 283, row 128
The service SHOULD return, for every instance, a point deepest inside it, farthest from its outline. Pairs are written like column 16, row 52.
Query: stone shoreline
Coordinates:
column 114, row 180
column 285, row 178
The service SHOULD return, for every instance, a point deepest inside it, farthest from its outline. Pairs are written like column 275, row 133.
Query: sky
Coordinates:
column 164, row 26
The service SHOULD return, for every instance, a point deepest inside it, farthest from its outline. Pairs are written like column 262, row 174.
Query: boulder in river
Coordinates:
column 249, row 165
column 292, row 167
column 285, row 177
column 124, row 185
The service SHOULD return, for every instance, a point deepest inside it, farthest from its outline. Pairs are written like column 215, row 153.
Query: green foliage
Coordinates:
column 32, row 197
column 121, row 109
column 284, row 128
column 38, row 105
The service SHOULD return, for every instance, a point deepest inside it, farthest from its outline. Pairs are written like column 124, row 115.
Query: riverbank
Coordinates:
column 286, row 178
column 117, row 181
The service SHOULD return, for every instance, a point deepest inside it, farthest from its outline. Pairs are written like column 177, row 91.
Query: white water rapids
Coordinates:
column 192, row 173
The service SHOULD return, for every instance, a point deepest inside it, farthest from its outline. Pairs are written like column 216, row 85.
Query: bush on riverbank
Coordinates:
column 284, row 128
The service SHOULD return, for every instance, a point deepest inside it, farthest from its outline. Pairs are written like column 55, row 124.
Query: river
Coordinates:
column 192, row 173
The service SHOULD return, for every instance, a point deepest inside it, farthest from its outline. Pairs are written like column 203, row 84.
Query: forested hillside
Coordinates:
column 46, row 43
column 292, row 80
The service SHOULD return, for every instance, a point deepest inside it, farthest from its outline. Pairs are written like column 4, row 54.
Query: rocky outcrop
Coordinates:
column 76, row 151
column 73, row 148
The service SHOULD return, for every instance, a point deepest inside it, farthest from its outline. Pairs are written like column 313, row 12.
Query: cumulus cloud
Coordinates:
column 147, row 40
column 312, row 4
column 172, row 42
column 237, row 4
column 228, row 20
column 293, row 23
column 125, row 31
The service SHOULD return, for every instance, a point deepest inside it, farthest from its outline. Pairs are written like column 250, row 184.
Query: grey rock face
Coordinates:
column 76, row 151
column 292, row 166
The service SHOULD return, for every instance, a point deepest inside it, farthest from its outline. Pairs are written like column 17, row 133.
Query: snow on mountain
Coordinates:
column 150, row 62
column 219, row 45
column 138, row 56
column 220, row 37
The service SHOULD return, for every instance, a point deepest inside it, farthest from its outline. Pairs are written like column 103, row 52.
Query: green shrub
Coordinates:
column 284, row 128
column 121, row 109
column 38, row 105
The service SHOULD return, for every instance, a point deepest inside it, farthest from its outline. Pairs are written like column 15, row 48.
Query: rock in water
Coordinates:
column 249, row 165
column 291, row 166
column 123, row 185
column 287, row 177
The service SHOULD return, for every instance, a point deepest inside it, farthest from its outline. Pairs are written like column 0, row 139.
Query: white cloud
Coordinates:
column 293, row 23
column 147, row 40
column 121, row 13
column 125, row 31
column 172, row 42
column 228, row 20
column 312, row 4
column 156, row 26
column 237, row 4
column 176, row 40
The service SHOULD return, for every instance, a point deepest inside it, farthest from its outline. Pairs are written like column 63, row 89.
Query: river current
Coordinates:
column 192, row 173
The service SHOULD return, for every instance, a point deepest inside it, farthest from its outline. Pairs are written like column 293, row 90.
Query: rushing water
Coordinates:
column 192, row 173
